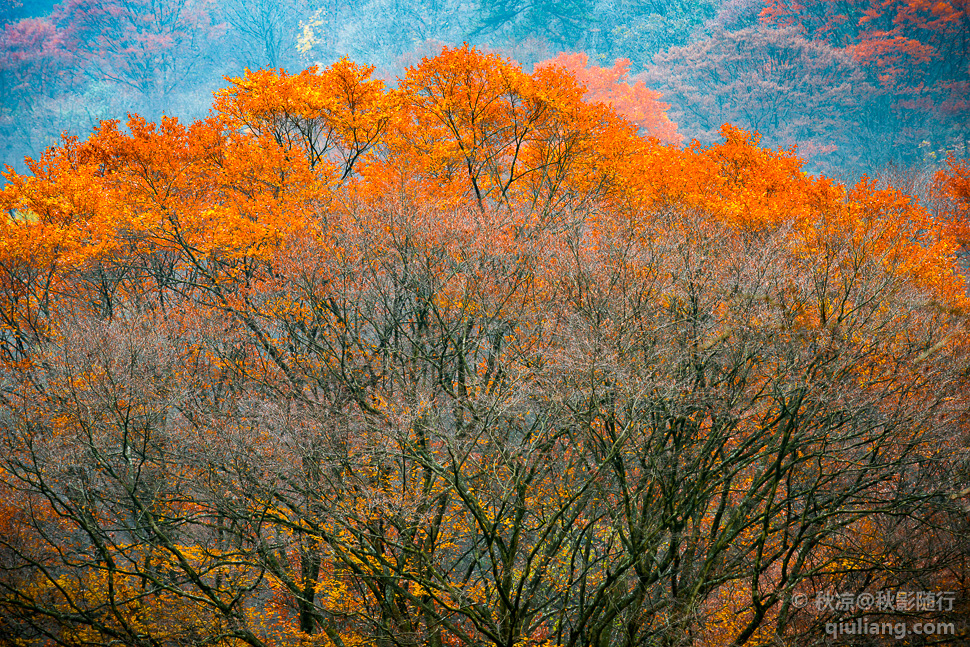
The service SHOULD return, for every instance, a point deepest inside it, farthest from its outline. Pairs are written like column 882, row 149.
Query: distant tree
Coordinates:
column 737, row 14
column 150, row 49
column 564, row 23
column 35, row 62
column 604, row 30
column 318, row 38
column 917, row 53
column 264, row 33
column 640, row 30
column 386, row 32
column 794, row 91
column 37, row 71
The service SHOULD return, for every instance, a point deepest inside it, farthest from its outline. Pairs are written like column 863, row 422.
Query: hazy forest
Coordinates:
column 506, row 323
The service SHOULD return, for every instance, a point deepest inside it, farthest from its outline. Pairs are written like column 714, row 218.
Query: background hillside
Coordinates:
column 860, row 86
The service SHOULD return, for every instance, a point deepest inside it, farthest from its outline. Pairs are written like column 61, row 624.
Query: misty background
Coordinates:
column 859, row 86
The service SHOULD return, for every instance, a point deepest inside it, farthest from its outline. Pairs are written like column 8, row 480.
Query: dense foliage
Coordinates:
column 466, row 361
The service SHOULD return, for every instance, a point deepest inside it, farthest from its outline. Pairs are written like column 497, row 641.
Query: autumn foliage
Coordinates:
column 464, row 361
column 953, row 191
column 632, row 100
column 914, row 51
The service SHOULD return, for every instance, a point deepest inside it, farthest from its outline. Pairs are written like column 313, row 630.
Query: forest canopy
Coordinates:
column 468, row 360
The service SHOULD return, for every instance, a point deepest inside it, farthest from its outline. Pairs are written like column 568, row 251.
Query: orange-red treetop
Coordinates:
column 632, row 101
column 468, row 132
column 953, row 192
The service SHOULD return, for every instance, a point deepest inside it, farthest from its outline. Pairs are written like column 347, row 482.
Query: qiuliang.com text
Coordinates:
column 898, row 630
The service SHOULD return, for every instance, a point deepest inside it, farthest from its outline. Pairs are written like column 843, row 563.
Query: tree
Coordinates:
column 562, row 22
column 151, row 49
column 604, row 30
column 640, row 30
column 266, row 32
column 953, row 191
column 36, row 69
column 794, row 91
column 85, row 62
column 394, row 34
column 915, row 52
column 466, row 361
column 633, row 101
